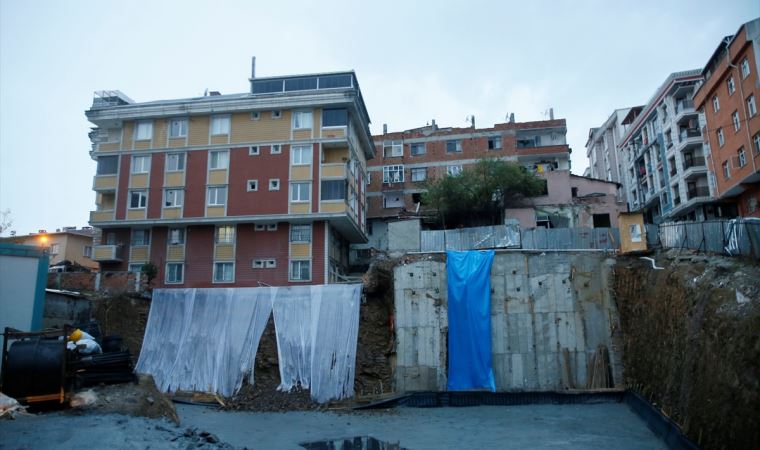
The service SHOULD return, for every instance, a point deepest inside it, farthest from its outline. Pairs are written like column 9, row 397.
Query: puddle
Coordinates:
column 353, row 443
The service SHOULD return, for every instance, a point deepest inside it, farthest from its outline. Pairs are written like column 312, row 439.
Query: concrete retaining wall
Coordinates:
column 549, row 313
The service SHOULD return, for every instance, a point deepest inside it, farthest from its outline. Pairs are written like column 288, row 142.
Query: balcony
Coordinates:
column 107, row 253
column 693, row 162
column 694, row 167
column 689, row 138
column 685, row 111
column 699, row 191
column 676, row 201
column 104, row 182
column 101, row 216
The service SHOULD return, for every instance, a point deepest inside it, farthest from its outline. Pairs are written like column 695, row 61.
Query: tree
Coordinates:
column 150, row 271
column 480, row 193
column 5, row 220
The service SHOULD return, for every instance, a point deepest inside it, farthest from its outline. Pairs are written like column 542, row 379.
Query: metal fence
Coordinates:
column 571, row 239
column 726, row 237
column 498, row 236
column 510, row 236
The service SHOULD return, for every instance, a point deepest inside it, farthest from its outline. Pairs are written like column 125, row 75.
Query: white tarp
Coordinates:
column 317, row 328
column 206, row 339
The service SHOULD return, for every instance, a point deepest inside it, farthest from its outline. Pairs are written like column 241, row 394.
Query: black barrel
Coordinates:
column 34, row 367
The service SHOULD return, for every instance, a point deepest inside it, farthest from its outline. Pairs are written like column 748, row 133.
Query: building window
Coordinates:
column 218, row 159
column 220, row 125
column 334, row 117
column 726, row 170
column 393, row 174
column 716, row 104
column 393, row 148
column 276, row 114
column 225, row 234
column 300, row 270
column 259, row 227
column 255, row 115
column 756, row 141
column 178, row 128
column 254, row 150
column 135, row 268
column 751, row 106
column 494, row 143
column 275, row 149
column 274, row 184
column 419, row 174
column 224, row 272
column 271, row 227
column 176, row 236
column 302, row 120
column 258, row 264
column 87, row 251
column 175, row 162
column 300, row 233
column 140, row 237
column 300, row 155
column 333, row 190
column 174, row 198
column 745, row 68
column 141, row 164
column 217, row 196
column 735, row 120
column 299, row 192
column 138, row 199
column 107, row 165
column 144, row 131
column 742, row 157
column 417, row 148
column 55, row 249
column 731, row 86
column 721, row 138
column 453, row 146
column 271, row 263
column 174, row 273
column 453, row 170
column 252, row 185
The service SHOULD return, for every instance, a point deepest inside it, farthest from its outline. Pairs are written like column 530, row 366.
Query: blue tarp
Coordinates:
column 469, row 288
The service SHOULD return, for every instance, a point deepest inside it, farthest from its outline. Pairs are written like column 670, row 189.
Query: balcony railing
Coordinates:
column 689, row 133
column 107, row 253
column 700, row 191
column 699, row 161
column 683, row 105
column 102, row 216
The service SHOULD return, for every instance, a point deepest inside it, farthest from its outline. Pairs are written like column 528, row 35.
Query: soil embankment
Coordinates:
column 692, row 343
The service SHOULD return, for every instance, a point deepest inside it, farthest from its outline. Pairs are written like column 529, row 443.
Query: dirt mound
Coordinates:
column 692, row 344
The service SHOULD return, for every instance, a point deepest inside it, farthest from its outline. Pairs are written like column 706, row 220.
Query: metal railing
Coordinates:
column 699, row 161
column 726, row 237
column 701, row 191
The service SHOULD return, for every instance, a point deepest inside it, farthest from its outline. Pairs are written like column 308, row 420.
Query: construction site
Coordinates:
column 583, row 348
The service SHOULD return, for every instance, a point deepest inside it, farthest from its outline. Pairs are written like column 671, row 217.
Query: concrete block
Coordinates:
column 404, row 236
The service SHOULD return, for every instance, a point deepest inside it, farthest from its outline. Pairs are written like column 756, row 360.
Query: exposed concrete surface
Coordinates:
column 404, row 235
column 608, row 425
column 549, row 314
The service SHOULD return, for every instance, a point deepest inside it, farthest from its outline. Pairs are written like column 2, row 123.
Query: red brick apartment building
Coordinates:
column 405, row 159
column 265, row 187
column 729, row 99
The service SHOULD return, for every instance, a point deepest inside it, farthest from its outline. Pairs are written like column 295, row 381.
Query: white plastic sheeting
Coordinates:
column 317, row 328
column 206, row 339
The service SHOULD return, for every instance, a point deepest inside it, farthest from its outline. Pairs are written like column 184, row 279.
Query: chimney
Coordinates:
column 511, row 117
column 433, row 126
column 551, row 113
column 253, row 67
column 472, row 122
column 385, row 128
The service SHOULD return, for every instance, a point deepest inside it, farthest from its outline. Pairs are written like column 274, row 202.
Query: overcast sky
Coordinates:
column 415, row 62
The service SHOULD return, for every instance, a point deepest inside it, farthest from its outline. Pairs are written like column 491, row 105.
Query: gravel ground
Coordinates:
column 610, row 425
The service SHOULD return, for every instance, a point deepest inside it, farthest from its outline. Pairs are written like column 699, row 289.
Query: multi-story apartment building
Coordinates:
column 601, row 148
column 406, row 159
column 265, row 187
column 729, row 98
column 663, row 155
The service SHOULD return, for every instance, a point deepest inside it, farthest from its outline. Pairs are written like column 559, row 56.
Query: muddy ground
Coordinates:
column 692, row 342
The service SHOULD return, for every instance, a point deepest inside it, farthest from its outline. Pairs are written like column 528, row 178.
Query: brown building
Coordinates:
column 265, row 187
column 405, row 159
column 65, row 244
column 729, row 100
